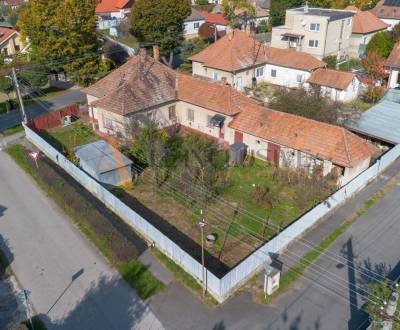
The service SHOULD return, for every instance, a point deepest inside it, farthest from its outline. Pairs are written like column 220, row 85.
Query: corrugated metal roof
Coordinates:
column 101, row 157
column 382, row 121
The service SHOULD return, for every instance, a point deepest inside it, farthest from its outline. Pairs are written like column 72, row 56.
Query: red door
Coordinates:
column 273, row 153
column 238, row 136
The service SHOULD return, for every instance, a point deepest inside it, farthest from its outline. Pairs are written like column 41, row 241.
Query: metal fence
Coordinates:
column 220, row 288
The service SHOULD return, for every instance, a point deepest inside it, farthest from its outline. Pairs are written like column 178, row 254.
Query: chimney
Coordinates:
column 156, row 52
column 249, row 30
column 230, row 33
column 306, row 7
column 142, row 51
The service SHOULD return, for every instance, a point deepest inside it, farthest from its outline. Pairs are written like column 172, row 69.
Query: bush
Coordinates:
column 380, row 43
column 374, row 93
column 331, row 61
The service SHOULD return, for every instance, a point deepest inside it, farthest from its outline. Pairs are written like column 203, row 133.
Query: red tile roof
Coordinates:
column 139, row 84
column 218, row 97
column 394, row 58
column 388, row 12
column 215, row 18
column 331, row 78
column 324, row 141
column 5, row 33
column 142, row 83
column 365, row 22
column 111, row 6
column 293, row 59
column 233, row 52
column 238, row 51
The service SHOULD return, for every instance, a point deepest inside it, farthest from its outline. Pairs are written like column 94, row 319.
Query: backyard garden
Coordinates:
column 178, row 174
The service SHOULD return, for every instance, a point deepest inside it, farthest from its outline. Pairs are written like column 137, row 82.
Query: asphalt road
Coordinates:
column 71, row 285
column 327, row 298
column 33, row 110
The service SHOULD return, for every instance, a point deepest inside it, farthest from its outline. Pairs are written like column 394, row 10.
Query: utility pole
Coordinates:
column 391, row 308
column 202, row 224
column 21, row 102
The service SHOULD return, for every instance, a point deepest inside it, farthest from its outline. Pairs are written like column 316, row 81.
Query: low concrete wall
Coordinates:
column 220, row 288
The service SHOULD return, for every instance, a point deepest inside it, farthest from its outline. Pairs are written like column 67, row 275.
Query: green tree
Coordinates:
column 160, row 22
column 63, row 37
column 380, row 43
column 278, row 8
column 6, row 86
column 304, row 103
column 331, row 61
column 383, row 291
column 238, row 11
column 320, row 3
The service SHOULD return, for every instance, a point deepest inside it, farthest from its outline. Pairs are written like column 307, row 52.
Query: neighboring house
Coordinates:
column 217, row 19
column 262, row 11
column 111, row 12
column 337, row 85
column 10, row 41
column 192, row 23
column 241, row 60
column 317, row 31
column 144, row 89
column 392, row 65
column 388, row 11
column 14, row 4
column 365, row 26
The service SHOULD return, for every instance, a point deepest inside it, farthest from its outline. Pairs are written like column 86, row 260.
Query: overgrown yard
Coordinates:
column 105, row 229
column 243, row 206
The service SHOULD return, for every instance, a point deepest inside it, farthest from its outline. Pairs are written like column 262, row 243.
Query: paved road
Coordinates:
column 316, row 302
column 33, row 110
column 72, row 286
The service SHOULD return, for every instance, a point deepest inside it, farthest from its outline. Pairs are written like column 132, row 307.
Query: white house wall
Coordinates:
column 190, row 29
column 286, row 77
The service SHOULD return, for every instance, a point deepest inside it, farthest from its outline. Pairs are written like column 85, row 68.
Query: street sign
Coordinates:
column 34, row 155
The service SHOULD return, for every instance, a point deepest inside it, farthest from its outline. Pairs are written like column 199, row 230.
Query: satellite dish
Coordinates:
column 303, row 22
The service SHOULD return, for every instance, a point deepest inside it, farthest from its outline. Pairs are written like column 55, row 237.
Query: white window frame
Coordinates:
column 299, row 75
column 215, row 76
column 260, row 71
column 196, row 25
column 190, row 114
column 108, row 123
column 315, row 43
column 209, row 117
column 317, row 26
column 172, row 112
column 274, row 73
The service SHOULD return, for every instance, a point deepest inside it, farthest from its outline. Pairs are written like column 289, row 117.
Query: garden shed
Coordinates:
column 104, row 163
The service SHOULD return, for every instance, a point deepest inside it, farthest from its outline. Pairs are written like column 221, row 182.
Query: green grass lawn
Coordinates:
column 68, row 137
column 12, row 130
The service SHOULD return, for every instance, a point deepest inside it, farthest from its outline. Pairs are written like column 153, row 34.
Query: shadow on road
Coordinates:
column 104, row 306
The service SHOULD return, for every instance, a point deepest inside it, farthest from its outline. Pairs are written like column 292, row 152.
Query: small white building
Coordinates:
column 393, row 67
column 338, row 85
column 192, row 23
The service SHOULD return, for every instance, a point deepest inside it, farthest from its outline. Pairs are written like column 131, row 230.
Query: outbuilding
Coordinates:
column 104, row 163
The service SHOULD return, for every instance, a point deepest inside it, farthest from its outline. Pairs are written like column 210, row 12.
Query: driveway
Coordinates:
column 328, row 297
column 71, row 285
column 33, row 110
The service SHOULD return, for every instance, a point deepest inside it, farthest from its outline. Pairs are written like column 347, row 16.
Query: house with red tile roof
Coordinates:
column 392, row 64
column 114, row 9
column 217, row 19
column 143, row 89
column 241, row 60
column 10, row 41
column 388, row 11
column 338, row 85
column 365, row 26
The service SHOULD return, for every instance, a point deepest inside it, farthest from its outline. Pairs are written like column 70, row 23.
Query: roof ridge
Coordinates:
column 346, row 146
